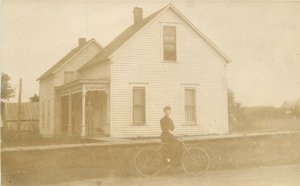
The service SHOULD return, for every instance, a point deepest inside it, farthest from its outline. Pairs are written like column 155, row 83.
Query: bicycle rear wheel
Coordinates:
column 148, row 162
column 195, row 161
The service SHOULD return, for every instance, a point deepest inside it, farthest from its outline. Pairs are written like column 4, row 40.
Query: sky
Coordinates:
column 261, row 38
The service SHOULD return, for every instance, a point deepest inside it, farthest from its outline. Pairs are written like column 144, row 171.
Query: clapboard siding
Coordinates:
column 198, row 65
column 96, row 72
column 46, row 120
column 74, row 64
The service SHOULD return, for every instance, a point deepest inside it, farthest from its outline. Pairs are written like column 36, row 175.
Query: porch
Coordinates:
column 82, row 108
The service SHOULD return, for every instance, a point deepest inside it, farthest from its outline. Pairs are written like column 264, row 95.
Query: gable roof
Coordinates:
column 63, row 60
column 132, row 30
column 120, row 40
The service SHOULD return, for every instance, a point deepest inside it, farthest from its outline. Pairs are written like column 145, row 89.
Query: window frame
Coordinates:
column 74, row 77
column 145, row 87
column 185, row 122
column 162, row 43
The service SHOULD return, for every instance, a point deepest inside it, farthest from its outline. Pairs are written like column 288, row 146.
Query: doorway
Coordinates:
column 76, row 114
column 64, row 115
column 97, row 101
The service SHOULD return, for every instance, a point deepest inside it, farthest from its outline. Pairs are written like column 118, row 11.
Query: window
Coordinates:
column 45, row 113
column 190, row 105
column 139, row 105
column 69, row 76
column 169, row 43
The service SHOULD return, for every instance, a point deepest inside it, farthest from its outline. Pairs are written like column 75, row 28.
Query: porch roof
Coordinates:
column 80, row 82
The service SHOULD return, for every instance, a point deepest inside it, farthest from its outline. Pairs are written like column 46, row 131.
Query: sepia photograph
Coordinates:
column 150, row 93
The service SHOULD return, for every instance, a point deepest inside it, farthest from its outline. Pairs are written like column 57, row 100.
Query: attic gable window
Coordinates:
column 69, row 76
column 169, row 43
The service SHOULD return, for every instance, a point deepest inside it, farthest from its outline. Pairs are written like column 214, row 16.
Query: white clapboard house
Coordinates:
column 159, row 60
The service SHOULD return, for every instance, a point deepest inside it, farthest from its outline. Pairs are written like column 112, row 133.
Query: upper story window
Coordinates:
column 169, row 43
column 69, row 76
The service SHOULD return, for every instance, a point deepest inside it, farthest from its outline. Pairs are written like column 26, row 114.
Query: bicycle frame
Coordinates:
column 163, row 166
column 180, row 140
column 185, row 149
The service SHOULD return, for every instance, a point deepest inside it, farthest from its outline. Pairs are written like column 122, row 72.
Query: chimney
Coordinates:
column 81, row 41
column 137, row 15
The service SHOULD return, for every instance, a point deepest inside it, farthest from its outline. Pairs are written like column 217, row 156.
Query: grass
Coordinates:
column 41, row 141
column 290, row 124
column 28, row 139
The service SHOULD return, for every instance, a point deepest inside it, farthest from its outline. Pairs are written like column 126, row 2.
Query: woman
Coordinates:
column 173, row 147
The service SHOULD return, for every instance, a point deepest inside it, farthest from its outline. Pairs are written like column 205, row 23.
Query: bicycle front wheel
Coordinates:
column 148, row 162
column 195, row 161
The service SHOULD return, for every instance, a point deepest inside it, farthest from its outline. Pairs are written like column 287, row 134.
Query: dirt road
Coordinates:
column 288, row 175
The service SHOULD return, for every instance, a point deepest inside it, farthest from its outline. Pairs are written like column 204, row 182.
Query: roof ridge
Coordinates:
column 131, row 30
column 71, row 53
column 119, row 40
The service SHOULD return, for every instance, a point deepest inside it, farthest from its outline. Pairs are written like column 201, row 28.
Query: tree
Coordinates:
column 34, row 98
column 238, row 115
column 7, row 91
column 232, row 107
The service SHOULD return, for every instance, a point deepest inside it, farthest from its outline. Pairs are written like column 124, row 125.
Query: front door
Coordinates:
column 64, row 115
column 76, row 114
column 96, row 113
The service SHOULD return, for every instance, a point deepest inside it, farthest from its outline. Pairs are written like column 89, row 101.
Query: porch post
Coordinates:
column 108, row 112
column 83, row 124
column 70, row 116
column 57, row 115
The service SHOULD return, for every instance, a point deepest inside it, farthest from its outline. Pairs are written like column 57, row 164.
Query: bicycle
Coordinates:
column 194, row 161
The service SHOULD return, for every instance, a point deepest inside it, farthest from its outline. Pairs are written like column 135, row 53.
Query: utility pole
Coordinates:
column 19, row 109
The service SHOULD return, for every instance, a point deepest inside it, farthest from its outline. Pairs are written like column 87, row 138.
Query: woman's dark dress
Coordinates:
column 173, row 147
